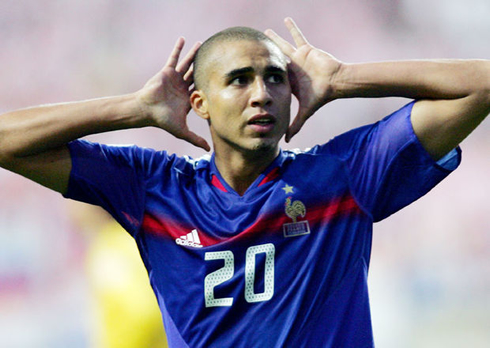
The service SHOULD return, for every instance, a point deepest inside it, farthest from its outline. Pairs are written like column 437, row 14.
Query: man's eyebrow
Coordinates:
column 246, row 70
column 237, row 72
column 275, row 69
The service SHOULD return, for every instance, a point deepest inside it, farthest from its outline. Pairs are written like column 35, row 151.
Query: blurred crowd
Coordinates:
column 69, row 277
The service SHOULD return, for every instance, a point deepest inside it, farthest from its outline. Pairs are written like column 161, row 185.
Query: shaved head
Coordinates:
column 205, row 56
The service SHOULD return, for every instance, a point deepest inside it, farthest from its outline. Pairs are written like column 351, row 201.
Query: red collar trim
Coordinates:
column 273, row 174
column 216, row 183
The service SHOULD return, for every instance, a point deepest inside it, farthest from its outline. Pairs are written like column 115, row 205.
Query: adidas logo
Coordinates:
column 191, row 239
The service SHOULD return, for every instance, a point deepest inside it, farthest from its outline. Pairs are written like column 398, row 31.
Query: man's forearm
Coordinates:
column 35, row 130
column 442, row 79
column 455, row 95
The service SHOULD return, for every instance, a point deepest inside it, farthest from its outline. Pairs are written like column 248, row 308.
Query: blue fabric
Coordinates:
column 284, row 265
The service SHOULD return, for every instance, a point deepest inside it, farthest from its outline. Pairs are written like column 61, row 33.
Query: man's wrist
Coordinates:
column 343, row 82
column 138, row 113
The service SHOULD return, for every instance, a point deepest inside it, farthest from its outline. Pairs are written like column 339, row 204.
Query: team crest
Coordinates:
column 295, row 209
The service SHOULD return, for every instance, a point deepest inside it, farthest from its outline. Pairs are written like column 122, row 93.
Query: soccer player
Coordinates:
column 257, row 246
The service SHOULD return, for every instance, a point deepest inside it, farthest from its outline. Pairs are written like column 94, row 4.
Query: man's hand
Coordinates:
column 165, row 97
column 311, row 74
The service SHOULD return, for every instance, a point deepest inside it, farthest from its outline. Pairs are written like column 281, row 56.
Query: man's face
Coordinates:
column 247, row 96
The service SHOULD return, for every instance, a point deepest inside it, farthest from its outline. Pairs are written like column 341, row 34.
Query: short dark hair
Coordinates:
column 230, row 34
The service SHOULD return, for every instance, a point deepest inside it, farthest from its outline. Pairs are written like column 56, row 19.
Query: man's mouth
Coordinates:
column 262, row 123
column 263, row 119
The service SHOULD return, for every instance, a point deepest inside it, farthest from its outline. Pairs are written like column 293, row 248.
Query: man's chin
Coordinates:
column 254, row 146
column 264, row 146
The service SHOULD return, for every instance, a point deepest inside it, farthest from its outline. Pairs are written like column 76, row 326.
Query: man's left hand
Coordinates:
column 311, row 74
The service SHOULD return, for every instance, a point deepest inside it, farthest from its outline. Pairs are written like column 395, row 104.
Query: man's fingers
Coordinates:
column 196, row 140
column 173, row 59
column 294, row 128
column 291, row 132
column 186, row 62
column 298, row 123
column 285, row 46
column 183, row 132
column 298, row 37
column 189, row 76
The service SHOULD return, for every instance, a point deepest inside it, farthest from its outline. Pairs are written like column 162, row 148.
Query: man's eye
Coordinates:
column 239, row 80
column 275, row 78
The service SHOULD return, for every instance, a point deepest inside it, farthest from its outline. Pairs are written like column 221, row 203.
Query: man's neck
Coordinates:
column 240, row 170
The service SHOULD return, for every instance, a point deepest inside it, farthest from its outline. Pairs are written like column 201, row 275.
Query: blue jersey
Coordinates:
column 283, row 265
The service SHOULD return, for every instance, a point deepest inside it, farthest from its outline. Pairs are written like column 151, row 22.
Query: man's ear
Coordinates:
column 199, row 104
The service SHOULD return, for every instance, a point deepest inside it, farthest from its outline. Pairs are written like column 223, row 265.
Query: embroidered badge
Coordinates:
column 293, row 210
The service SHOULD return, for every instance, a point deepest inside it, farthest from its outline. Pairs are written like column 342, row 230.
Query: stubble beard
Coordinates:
column 259, row 148
column 263, row 149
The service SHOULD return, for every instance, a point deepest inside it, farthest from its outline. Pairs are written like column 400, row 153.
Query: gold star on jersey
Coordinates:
column 288, row 189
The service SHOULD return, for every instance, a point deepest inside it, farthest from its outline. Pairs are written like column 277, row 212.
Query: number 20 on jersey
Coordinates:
column 225, row 273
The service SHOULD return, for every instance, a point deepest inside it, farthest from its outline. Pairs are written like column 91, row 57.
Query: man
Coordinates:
column 255, row 246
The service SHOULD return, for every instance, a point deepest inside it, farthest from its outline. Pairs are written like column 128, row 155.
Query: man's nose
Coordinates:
column 260, row 94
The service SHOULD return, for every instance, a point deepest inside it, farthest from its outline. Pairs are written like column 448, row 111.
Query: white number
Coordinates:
column 217, row 277
column 269, row 251
column 225, row 273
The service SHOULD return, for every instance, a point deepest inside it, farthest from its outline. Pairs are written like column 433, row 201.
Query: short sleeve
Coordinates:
column 387, row 166
column 112, row 177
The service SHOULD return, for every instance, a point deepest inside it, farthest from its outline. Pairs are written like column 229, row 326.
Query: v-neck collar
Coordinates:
column 271, row 173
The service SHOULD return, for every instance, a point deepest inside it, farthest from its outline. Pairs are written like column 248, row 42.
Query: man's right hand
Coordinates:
column 33, row 140
column 165, row 97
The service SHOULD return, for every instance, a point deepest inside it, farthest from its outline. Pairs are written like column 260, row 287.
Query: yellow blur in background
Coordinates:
column 125, row 310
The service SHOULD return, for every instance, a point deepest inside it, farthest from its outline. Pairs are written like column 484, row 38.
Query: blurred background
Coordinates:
column 69, row 277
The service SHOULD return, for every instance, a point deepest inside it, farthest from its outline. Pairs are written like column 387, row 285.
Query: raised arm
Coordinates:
column 454, row 95
column 33, row 141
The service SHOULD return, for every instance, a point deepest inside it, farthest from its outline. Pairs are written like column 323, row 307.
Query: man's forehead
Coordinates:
column 229, row 55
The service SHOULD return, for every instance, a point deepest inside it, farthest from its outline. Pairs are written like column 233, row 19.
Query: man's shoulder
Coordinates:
column 188, row 165
column 314, row 153
column 141, row 158
column 314, row 159
column 393, row 128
